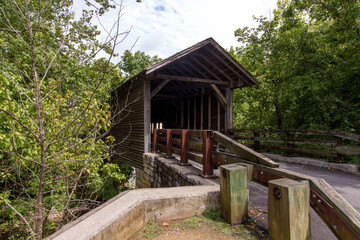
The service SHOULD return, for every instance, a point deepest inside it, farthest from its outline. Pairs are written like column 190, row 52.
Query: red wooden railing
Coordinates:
column 180, row 138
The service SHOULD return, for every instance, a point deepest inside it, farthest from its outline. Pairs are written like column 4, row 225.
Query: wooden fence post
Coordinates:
column 184, row 148
column 288, row 209
column 338, row 157
column 155, row 144
column 256, row 142
column 168, row 153
column 208, row 138
column 234, row 193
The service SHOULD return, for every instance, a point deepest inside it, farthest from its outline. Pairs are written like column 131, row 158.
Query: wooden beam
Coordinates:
column 202, row 110
column 159, row 87
column 229, row 109
column 188, row 115
column 194, row 113
column 248, row 82
column 219, row 96
column 216, row 67
column 182, row 114
column 205, row 68
column 190, row 79
column 218, row 115
column 209, row 111
column 147, row 116
column 242, row 69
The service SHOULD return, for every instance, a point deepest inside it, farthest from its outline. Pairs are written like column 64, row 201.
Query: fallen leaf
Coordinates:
column 165, row 224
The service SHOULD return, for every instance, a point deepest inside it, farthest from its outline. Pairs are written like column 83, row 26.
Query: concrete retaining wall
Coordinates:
column 127, row 213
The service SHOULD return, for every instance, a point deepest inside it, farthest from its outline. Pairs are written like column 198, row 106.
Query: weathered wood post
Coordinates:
column 234, row 193
column 168, row 153
column 155, row 144
column 256, row 141
column 184, row 148
column 208, row 139
column 288, row 209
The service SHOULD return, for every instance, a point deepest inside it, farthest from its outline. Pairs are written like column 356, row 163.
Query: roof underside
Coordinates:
column 195, row 69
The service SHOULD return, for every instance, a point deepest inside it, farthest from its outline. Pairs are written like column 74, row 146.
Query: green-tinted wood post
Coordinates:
column 288, row 210
column 233, row 193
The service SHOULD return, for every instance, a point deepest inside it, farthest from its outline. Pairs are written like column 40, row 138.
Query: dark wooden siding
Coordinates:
column 129, row 127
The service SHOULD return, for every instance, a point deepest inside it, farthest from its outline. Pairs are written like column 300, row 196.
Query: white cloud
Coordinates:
column 165, row 27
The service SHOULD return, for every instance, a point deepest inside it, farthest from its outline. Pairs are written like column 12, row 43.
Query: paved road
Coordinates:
column 346, row 184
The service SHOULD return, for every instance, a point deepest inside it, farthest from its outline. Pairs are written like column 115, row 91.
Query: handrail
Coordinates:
column 341, row 218
column 331, row 142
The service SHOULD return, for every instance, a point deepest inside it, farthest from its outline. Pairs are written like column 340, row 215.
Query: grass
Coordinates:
column 209, row 220
column 151, row 230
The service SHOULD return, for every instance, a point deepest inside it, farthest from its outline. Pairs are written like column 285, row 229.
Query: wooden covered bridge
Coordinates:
column 189, row 90
column 189, row 95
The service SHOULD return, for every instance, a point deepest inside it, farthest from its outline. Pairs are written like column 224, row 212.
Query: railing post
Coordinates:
column 338, row 157
column 184, row 148
column 208, row 138
column 155, row 144
column 168, row 153
column 256, row 142
column 288, row 209
column 234, row 193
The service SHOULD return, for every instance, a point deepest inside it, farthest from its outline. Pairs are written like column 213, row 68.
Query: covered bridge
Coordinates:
column 189, row 90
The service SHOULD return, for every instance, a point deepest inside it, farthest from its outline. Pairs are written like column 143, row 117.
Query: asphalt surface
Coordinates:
column 346, row 184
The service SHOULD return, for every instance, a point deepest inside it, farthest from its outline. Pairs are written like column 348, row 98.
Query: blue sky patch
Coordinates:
column 160, row 8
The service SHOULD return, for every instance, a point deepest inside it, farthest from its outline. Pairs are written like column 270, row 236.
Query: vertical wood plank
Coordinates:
column 202, row 110
column 188, row 113
column 182, row 114
column 147, row 115
column 194, row 113
column 209, row 111
column 229, row 109
column 218, row 115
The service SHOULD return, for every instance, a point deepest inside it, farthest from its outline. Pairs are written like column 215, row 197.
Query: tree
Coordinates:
column 55, row 113
column 306, row 60
column 132, row 64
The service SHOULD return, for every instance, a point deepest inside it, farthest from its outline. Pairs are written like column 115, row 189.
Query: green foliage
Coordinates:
column 132, row 64
column 306, row 59
column 54, row 110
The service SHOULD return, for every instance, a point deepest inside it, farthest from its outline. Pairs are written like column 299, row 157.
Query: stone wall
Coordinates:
column 162, row 172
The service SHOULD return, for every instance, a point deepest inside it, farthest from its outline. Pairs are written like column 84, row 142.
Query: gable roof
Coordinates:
column 206, row 59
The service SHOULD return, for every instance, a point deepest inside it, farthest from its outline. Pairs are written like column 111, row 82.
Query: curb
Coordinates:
column 346, row 167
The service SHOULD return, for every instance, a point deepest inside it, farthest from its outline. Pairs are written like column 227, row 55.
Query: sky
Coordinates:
column 165, row 27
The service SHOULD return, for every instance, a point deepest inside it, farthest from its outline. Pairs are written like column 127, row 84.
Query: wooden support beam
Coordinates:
column 219, row 96
column 229, row 109
column 218, row 115
column 242, row 69
column 209, row 111
column 188, row 114
column 241, row 78
column 202, row 110
column 194, row 113
column 190, row 79
column 159, row 87
column 147, row 116
column 182, row 114
column 205, row 68
column 216, row 67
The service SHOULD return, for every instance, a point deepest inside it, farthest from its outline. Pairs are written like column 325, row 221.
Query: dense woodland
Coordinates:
column 55, row 151
column 306, row 57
